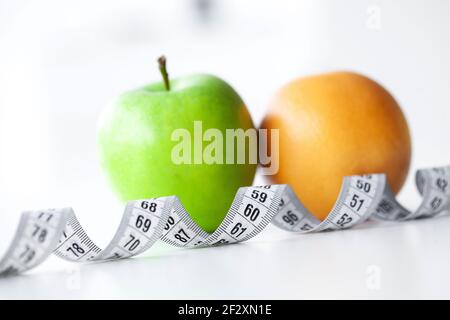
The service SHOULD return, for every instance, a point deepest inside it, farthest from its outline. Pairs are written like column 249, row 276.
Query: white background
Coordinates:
column 62, row 61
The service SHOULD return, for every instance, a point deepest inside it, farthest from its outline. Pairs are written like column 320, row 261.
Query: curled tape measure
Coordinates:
column 41, row 233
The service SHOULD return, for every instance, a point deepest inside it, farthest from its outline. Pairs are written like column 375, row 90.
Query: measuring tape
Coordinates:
column 43, row 232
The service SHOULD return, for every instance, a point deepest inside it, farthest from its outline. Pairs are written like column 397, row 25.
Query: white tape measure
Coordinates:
column 41, row 233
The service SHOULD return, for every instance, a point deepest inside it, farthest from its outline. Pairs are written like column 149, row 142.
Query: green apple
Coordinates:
column 135, row 144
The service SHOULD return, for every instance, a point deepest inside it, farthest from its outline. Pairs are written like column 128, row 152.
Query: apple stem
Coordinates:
column 163, row 69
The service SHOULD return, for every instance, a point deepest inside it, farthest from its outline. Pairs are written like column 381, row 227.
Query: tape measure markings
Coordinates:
column 58, row 231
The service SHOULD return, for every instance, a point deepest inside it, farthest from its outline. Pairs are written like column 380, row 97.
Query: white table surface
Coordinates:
column 388, row 260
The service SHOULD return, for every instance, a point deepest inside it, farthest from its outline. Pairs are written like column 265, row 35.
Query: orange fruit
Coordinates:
column 334, row 125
